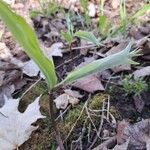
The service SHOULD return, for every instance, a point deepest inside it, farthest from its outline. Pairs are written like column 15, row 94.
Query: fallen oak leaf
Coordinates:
column 15, row 127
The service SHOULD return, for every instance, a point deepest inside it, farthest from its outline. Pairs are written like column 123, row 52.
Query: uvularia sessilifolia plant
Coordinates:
column 27, row 38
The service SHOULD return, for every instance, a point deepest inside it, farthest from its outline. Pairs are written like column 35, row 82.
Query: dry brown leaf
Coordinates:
column 2, row 75
column 5, row 53
column 138, row 134
column 69, row 97
column 30, row 68
column 145, row 71
column 89, row 83
column 54, row 50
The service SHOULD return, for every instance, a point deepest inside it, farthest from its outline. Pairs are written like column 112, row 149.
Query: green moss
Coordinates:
column 115, row 113
column 97, row 101
column 45, row 139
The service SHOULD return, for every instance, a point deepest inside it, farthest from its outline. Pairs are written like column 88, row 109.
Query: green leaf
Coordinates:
column 84, row 4
column 142, row 11
column 88, row 36
column 28, row 40
column 123, row 57
column 68, row 37
column 104, row 25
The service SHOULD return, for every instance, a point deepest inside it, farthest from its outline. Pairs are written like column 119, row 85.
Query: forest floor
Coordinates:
column 106, row 110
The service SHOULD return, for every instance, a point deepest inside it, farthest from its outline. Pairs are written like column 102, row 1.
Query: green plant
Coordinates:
column 103, row 23
column 134, row 86
column 47, row 8
column 84, row 4
column 27, row 38
column 126, row 20
column 69, row 35
column 123, row 13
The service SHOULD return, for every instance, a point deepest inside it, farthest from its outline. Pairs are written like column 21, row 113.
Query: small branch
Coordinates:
column 52, row 120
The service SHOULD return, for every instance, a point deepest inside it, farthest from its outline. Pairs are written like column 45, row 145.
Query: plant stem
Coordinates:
column 52, row 120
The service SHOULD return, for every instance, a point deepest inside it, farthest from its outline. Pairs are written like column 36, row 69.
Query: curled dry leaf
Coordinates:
column 145, row 71
column 15, row 127
column 69, row 97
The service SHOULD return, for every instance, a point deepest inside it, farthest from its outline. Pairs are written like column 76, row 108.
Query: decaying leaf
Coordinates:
column 123, row 146
column 2, row 75
column 69, row 97
column 89, row 83
column 30, row 68
column 15, row 127
column 138, row 134
column 5, row 53
column 145, row 71
column 6, row 90
column 54, row 50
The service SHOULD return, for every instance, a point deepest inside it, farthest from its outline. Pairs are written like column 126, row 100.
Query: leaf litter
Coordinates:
column 50, row 35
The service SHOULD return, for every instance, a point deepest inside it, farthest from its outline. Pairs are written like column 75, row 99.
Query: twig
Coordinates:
column 80, row 137
column 63, row 112
column 100, row 127
column 81, row 47
column 88, row 114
